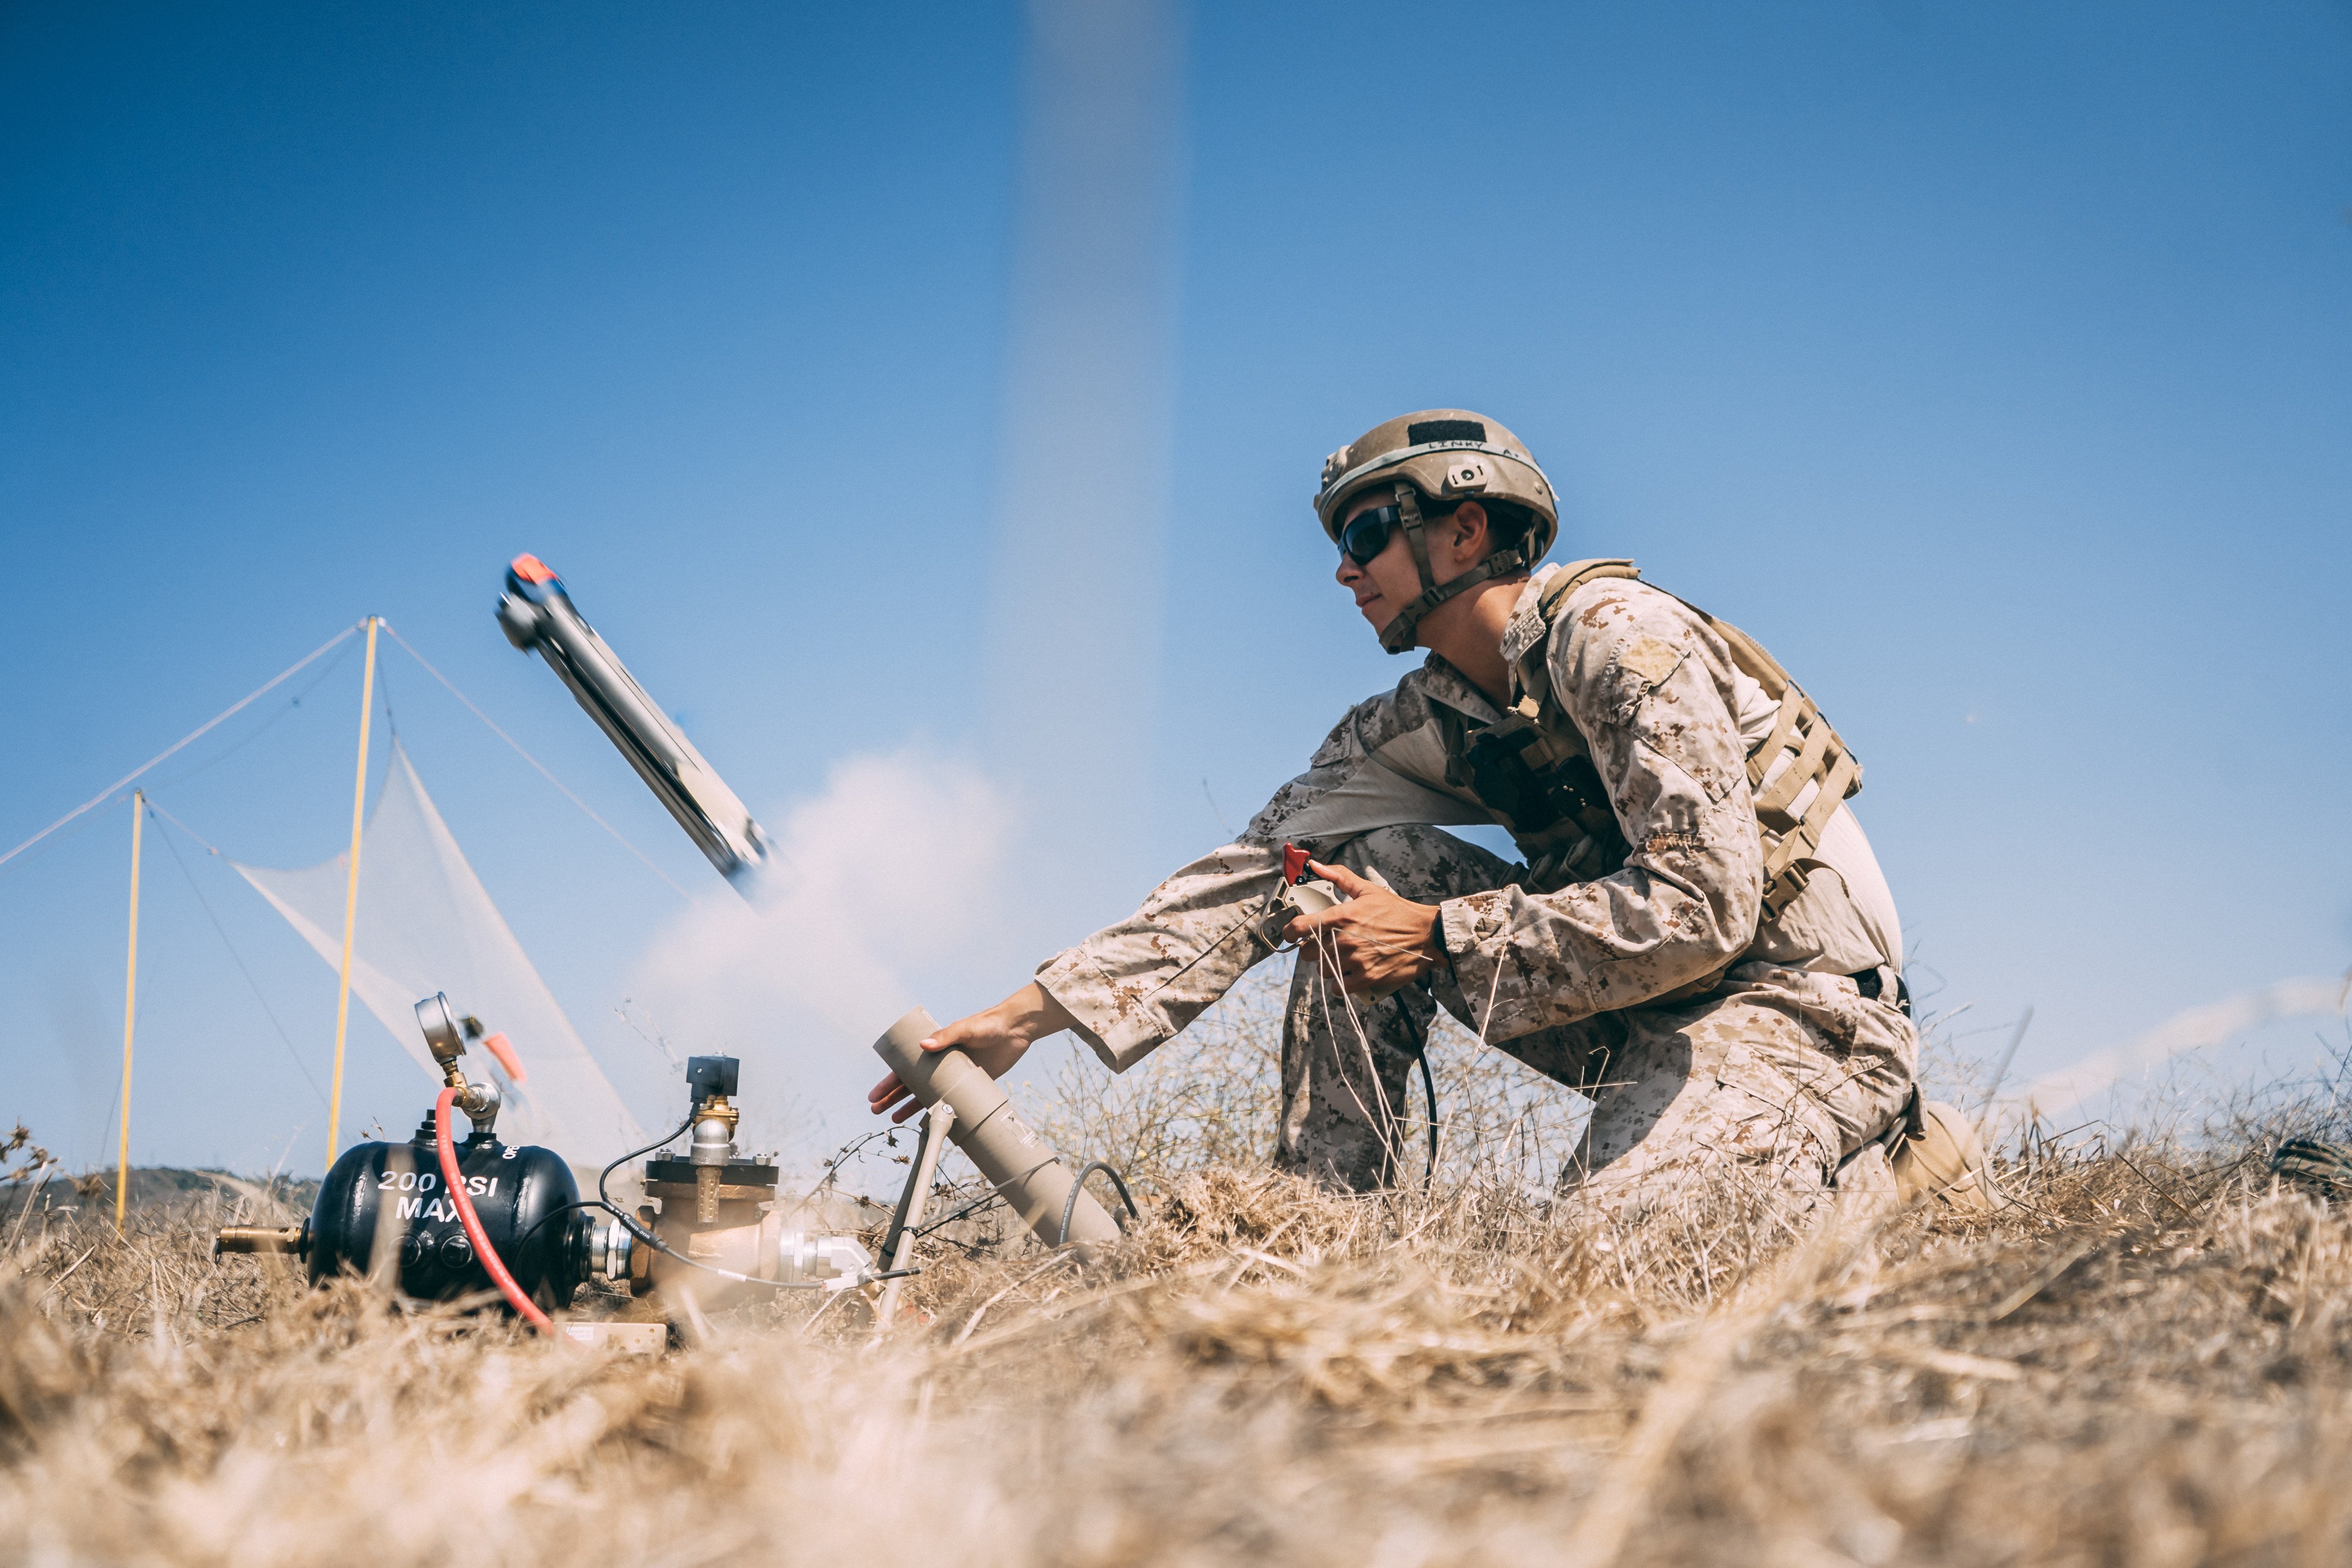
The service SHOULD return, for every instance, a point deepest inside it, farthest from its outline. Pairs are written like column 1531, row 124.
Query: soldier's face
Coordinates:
column 1390, row 581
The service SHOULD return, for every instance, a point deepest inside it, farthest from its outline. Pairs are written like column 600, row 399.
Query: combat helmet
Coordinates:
column 1452, row 454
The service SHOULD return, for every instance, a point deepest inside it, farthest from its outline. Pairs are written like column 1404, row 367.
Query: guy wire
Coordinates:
column 102, row 797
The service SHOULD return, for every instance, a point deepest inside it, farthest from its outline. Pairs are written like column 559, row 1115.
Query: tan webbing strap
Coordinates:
column 1786, row 867
column 1784, row 729
column 1784, row 790
column 1409, row 507
column 1575, row 575
column 1822, row 755
column 1825, row 804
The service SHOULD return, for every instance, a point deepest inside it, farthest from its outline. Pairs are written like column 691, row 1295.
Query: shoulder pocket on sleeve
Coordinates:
column 1659, row 694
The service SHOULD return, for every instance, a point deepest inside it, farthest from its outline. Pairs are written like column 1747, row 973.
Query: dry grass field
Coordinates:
column 2146, row 1359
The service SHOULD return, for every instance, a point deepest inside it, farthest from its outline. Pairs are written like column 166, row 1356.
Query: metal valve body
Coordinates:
column 715, row 1202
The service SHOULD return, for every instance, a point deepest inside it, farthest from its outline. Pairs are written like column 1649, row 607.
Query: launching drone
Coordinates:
column 538, row 617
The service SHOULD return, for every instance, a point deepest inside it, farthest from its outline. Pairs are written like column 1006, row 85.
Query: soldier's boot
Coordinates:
column 1938, row 1158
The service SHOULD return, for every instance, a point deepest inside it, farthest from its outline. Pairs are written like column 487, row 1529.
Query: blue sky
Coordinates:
column 1994, row 366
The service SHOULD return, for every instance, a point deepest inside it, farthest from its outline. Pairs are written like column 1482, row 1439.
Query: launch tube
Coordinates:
column 1021, row 1165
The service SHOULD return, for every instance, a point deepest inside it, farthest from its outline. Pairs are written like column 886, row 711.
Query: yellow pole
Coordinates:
column 129, row 1016
column 351, row 893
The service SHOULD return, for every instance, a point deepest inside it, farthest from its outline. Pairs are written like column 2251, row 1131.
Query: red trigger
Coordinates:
column 1293, row 864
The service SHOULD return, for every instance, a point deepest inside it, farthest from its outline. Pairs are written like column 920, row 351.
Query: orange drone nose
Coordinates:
column 500, row 1046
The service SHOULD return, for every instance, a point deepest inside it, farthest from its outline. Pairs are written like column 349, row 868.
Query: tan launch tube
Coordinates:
column 1019, row 1165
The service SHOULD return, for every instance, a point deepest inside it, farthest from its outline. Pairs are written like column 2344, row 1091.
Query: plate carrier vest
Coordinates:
column 1533, row 769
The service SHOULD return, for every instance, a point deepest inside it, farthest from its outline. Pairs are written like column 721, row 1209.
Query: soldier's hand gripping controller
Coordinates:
column 1300, row 894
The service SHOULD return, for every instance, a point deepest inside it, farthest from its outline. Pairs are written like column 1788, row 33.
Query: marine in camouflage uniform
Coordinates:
column 1699, row 938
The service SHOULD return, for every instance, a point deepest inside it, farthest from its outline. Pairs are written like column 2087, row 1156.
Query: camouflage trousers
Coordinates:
column 1762, row 1085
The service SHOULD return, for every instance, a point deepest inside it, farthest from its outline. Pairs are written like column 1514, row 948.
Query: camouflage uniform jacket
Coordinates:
column 1667, row 720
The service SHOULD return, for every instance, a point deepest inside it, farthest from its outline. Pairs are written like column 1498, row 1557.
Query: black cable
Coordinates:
column 1070, row 1206
column 667, row 1138
column 1428, row 1085
column 981, row 1201
column 1429, row 1088
column 557, row 1213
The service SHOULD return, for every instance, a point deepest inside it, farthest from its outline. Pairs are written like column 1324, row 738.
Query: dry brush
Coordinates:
column 2144, row 1359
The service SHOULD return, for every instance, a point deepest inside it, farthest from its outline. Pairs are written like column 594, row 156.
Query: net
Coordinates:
column 426, row 924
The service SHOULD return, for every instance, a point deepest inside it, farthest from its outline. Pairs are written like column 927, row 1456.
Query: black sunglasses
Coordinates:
column 1366, row 533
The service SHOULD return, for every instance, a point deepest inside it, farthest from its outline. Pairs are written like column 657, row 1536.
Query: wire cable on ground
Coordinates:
column 992, row 1195
column 535, row 763
column 986, row 1198
column 204, row 728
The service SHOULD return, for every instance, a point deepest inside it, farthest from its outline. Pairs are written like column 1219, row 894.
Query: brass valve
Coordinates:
column 292, row 1238
column 712, row 1150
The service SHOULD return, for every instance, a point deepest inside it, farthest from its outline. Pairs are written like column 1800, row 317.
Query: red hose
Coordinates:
column 473, row 1222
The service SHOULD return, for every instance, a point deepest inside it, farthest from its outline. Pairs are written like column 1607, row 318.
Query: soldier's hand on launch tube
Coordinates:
column 1377, row 940
column 995, row 1037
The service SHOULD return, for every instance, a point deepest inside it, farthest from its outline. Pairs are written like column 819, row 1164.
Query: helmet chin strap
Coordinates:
column 1398, row 637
